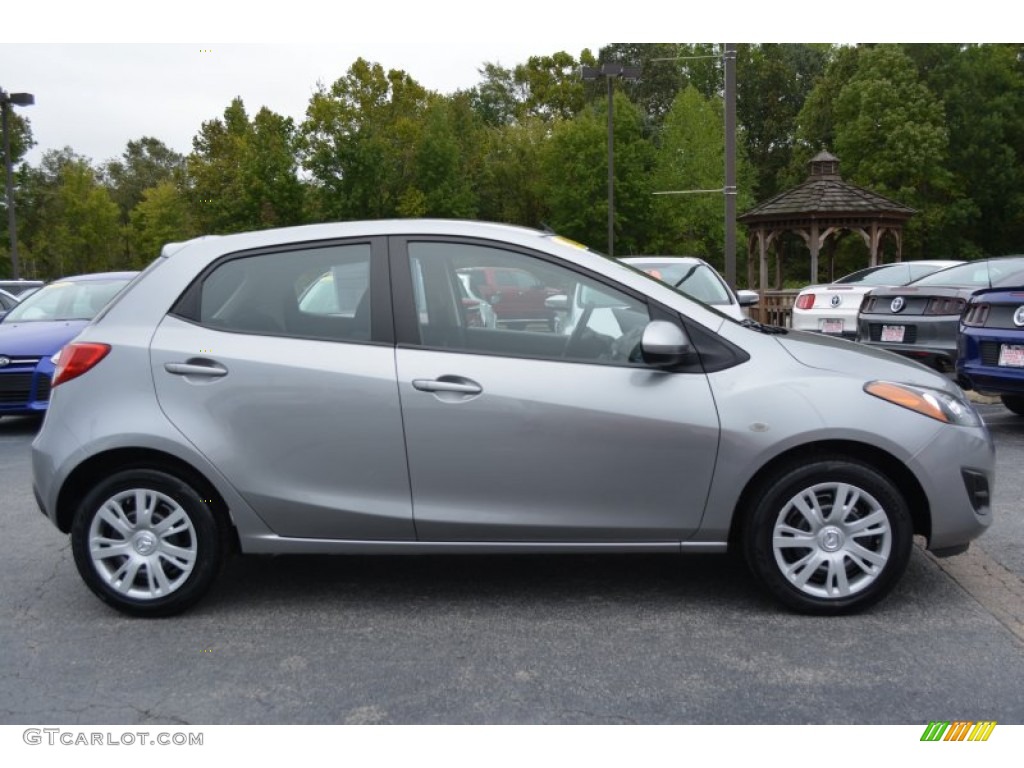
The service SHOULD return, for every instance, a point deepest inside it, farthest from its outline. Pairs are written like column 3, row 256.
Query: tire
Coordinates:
column 827, row 564
column 1014, row 402
column 172, row 559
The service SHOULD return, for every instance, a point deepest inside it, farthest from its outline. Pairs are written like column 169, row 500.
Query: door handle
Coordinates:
column 196, row 369
column 462, row 387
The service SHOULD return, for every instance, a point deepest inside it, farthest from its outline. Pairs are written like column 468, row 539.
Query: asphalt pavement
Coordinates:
column 552, row 639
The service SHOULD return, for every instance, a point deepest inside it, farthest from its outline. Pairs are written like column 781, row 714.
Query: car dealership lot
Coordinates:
column 585, row 639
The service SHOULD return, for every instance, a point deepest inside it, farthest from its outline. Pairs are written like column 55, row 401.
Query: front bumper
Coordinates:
column 957, row 471
column 978, row 366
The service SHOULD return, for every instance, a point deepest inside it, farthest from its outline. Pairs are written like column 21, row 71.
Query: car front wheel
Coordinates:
column 146, row 543
column 828, row 537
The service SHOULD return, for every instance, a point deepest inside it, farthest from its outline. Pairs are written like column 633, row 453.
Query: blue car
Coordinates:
column 38, row 328
column 7, row 302
column 990, row 348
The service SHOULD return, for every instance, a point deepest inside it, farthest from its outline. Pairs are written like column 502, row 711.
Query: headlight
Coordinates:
column 934, row 403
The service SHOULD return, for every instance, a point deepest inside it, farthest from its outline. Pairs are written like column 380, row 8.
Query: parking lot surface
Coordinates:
column 557, row 639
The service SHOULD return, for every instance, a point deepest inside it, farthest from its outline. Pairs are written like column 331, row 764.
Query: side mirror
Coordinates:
column 559, row 302
column 665, row 344
column 747, row 298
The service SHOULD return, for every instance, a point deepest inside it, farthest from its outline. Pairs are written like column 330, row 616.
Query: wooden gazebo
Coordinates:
column 822, row 206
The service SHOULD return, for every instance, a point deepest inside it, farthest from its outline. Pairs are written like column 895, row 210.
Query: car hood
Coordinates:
column 832, row 354
column 37, row 338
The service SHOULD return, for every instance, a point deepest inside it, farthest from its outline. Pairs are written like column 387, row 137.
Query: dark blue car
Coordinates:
column 39, row 327
column 990, row 349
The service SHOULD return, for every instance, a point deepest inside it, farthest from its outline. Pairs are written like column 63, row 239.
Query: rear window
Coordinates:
column 975, row 274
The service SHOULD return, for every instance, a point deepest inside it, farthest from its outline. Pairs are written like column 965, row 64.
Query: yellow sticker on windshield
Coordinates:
column 567, row 241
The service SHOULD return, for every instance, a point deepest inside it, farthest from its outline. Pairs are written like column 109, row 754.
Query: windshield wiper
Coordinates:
column 686, row 277
column 762, row 328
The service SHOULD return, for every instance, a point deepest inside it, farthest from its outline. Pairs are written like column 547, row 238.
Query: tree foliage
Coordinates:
column 71, row 225
column 934, row 126
column 242, row 174
column 692, row 157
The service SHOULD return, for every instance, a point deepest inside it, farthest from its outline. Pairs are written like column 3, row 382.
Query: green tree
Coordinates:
column 511, row 180
column 545, row 87
column 772, row 82
column 71, row 224
column 445, row 163
column 982, row 91
column 691, row 156
column 144, row 164
column 665, row 69
column 892, row 137
column 575, row 171
column 359, row 142
column 242, row 174
column 162, row 216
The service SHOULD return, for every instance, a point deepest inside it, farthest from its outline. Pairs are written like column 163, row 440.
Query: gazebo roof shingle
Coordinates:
column 826, row 193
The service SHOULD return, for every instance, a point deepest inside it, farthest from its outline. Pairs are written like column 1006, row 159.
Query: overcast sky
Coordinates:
column 106, row 71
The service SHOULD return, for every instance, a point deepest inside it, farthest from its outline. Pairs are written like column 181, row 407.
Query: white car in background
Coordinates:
column 696, row 278
column 832, row 308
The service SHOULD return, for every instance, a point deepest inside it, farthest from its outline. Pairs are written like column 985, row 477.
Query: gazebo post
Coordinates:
column 763, row 249
column 814, row 245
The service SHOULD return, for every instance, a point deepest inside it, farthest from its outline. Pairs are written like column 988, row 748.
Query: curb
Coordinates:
column 976, row 397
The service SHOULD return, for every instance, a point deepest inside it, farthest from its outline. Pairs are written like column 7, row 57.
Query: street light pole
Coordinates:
column 6, row 100
column 609, row 71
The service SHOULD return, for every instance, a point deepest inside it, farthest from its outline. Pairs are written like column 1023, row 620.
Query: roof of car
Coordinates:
column 482, row 229
column 96, row 276
column 661, row 259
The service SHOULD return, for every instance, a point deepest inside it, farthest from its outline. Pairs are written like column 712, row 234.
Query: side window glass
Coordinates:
column 554, row 313
column 318, row 293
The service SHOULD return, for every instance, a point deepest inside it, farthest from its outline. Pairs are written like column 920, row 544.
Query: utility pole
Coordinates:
column 730, row 164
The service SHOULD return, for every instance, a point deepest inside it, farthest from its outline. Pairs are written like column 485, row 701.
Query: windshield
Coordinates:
column 692, row 278
column 66, row 300
column 980, row 274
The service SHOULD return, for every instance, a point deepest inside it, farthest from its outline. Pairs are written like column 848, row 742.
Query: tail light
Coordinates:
column 944, row 306
column 976, row 315
column 866, row 304
column 805, row 301
column 77, row 358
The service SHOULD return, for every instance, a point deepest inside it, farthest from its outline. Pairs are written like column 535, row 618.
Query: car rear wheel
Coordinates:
column 145, row 542
column 1014, row 402
column 828, row 537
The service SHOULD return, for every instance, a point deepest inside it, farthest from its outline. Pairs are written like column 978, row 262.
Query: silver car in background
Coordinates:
column 696, row 278
column 210, row 407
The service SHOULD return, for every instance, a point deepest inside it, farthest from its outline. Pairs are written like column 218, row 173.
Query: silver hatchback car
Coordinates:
column 209, row 407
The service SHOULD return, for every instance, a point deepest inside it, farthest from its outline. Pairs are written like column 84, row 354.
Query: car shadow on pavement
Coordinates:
column 542, row 581
column 20, row 425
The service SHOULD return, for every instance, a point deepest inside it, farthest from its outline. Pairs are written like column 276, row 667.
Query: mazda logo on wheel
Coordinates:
column 897, row 304
column 1018, row 320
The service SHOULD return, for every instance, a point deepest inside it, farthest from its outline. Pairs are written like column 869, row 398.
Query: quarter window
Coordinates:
column 319, row 293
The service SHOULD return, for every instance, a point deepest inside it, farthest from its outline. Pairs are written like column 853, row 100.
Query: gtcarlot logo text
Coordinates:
column 59, row 736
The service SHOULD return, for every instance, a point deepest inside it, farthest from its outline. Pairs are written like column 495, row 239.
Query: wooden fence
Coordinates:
column 775, row 308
